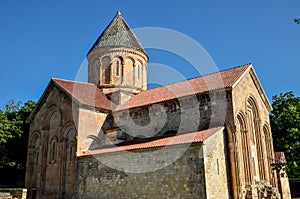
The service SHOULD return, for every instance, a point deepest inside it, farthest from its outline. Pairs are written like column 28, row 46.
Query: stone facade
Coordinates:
column 183, row 178
column 200, row 172
column 254, row 145
column 112, row 138
column 184, row 114
column 217, row 174
column 51, row 161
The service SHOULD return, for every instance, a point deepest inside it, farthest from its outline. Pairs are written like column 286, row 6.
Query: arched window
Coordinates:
column 53, row 150
column 218, row 167
column 118, row 68
column 36, row 149
column 94, row 72
column 139, row 72
column 106, row 70
column 70, row 142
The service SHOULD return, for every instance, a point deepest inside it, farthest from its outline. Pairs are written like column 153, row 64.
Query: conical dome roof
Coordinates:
column 118, row 34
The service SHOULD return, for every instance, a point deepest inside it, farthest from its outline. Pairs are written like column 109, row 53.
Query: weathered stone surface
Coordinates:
column 183, row 178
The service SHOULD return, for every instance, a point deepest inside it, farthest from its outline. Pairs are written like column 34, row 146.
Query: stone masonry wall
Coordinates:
column 51, row 162
column 216, row 167
column 144, row 173
column 187, row 114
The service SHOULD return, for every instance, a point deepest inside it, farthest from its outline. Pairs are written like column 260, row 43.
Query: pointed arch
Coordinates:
column 70, row 138
column 93, row 142
column 34, row 158
column 243, row 149
column 94, row 71
column 68, row 129
column 35, row 145
column 128, row 71
column 33, row 138
column 68, row 159
column 106, row 69
column 131, row 58
column 256, row 136
column 52, row 113
column 252, row 103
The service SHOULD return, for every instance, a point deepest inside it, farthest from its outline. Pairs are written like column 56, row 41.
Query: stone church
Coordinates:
column 206, row 137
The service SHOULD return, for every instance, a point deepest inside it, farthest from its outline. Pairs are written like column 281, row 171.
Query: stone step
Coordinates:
column 5, row 195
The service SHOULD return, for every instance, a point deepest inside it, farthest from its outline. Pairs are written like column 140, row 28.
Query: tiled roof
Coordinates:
column 85, row 93
column 118, row 33
column 279, row 157
column 214, row 81
column 90, row 95
column 187, row 138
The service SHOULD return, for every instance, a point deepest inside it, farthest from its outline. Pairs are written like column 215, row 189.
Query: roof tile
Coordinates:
column 194, row 137
column 118, row 33
column 90, row 95
column 85, row 93
column 279, row 157
column 214, row 81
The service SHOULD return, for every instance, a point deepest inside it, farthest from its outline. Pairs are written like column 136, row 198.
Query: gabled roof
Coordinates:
column 219, row 80
column 118, row 34
column 195, row 137
column 84, row 93
column 89, row 95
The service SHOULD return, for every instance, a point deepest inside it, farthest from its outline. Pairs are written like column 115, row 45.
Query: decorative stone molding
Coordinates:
column 261, row 190
column 265, row 190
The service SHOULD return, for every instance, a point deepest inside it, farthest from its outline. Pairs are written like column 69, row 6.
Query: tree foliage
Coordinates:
column 285, row 122
column 13, row 133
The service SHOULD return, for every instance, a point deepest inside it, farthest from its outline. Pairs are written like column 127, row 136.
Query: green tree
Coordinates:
column 14, row 135
column 285, row 122
column 10, row 132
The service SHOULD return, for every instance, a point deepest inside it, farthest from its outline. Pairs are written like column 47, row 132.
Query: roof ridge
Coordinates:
column 86, row 94
column 72, row 81
column 244, row 65
column 198, row 84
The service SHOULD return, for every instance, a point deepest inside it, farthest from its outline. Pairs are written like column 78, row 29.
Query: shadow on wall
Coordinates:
column 295, row 189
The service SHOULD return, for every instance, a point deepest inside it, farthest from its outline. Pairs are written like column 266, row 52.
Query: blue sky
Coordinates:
column 43, row 39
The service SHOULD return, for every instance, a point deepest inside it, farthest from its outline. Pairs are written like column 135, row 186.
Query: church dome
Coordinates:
column 118, row 34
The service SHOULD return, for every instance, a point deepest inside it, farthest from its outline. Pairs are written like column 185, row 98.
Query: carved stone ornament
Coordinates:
column 265, row 190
